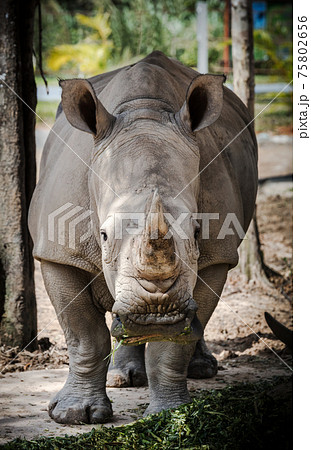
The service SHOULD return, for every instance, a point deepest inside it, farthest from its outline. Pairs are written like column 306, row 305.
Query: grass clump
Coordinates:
column 243, row 416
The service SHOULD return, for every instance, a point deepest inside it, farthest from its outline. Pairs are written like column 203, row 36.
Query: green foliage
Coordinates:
column 136, row 28
column 133, row 28
column 278, row 56
column 89, row 56
column 139, row 28
column 277, row 116
column 58, row 27
column 244, row 416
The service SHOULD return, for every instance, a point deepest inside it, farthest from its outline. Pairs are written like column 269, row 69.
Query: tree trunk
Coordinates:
column 242, row 51
column 251, row 262
column 251, row 258
column 17, row 173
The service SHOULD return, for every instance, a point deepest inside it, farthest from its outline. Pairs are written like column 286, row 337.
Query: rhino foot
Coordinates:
column 130, row 376
column 128, row 368
column 156, row 406
column 203, row 364
column 72, row 409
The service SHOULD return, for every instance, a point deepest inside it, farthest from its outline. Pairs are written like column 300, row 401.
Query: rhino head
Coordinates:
column 144, row 154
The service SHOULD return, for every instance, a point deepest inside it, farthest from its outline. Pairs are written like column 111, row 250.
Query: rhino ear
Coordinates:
column 203, row 104
column 83, row 109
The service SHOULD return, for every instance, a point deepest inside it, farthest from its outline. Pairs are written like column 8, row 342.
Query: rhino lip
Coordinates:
column 183, row 332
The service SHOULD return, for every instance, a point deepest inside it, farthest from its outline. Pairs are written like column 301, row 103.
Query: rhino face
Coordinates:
column 146, row 273
column 146, row 156
column 150, row 266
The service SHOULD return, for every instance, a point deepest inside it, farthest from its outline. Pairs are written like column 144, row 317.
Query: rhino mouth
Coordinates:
column 130, row 333
column 142, row 315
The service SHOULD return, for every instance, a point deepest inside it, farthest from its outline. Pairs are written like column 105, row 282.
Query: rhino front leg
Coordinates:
column 83, row 397
column 167, row 364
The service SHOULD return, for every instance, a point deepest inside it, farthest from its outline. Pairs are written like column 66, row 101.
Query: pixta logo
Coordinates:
column 134, row 224
column 70, row 225
column 63, row 225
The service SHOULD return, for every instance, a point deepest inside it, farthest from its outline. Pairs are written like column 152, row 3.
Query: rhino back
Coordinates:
column 155, row 75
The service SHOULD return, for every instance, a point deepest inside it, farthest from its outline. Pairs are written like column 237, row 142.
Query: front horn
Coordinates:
column 156, row 254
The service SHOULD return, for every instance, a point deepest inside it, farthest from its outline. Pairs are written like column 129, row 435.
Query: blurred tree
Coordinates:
column 251, row 257
column 242, row 52
column 59, row 26
column 137, row 28
column 278, row 56
column 18, row 320
column 89, row 56
column 243, row 85
column 140, row 26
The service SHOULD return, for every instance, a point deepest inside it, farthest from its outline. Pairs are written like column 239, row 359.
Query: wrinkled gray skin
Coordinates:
column 144, row 133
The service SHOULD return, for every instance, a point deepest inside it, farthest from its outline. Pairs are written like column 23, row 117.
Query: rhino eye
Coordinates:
column 197, row 232
column 104, row 235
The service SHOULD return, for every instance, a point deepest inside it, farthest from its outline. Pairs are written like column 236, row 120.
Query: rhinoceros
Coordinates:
column 169, row 153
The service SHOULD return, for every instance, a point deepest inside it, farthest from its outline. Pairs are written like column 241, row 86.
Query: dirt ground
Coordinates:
column 237, row 333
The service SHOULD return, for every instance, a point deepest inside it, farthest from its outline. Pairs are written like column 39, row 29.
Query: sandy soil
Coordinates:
column 237, row 333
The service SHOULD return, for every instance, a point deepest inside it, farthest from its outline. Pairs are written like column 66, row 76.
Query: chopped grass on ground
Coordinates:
column 243, row 416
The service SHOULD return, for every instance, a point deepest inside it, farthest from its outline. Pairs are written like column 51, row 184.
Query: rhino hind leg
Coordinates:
column 207, row 292
column 127, row 368
column 83, row 398
column 202, row 364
